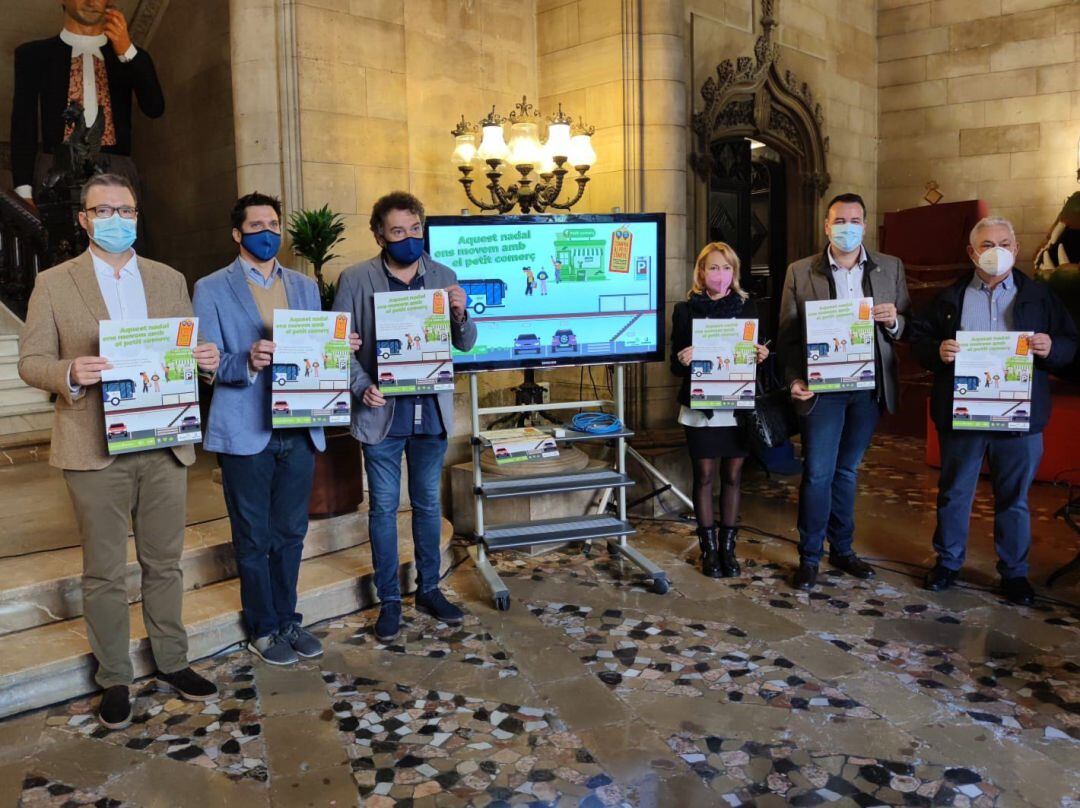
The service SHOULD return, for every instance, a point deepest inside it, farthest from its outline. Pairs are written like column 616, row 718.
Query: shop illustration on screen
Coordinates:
column 412, row 342
column 723, row 369
column 840, row 345
column 544, row 291
column 150, row 395
column 310, row 373
column 992, row 381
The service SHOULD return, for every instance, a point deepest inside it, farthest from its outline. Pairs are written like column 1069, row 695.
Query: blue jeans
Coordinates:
column 835, row 435
column 267, row 495
column 382, row 462
column 1013, row 459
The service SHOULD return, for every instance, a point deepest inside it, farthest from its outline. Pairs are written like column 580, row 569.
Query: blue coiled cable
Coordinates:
column 596, row 423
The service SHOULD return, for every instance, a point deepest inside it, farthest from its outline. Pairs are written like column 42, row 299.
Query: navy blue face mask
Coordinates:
column 407, row 251
column 264, row 245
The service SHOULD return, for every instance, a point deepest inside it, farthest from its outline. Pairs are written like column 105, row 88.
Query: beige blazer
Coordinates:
column 61, row 325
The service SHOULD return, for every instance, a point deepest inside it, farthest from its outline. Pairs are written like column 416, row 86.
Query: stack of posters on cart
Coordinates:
column 522, row 444
column 151, row 392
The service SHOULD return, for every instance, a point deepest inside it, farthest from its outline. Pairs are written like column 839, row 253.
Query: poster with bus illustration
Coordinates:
column 150, row 394
column 992, row 381
column 840, row 345
column 309, row 377
column 724, row 364
column 412, row 342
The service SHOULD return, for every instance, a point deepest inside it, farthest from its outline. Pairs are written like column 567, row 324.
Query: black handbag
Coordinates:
column 772, row 421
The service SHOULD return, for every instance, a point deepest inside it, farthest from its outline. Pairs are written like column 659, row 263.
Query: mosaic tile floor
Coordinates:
column 630, row 650
column 1041, row 693
column 223, row 735
column 750, row 773
column 424, row 636
column 41, row 792
column 595, row 569
column 407, row 743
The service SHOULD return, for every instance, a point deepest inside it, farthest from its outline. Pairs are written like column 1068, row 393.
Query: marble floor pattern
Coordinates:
column 594, row 691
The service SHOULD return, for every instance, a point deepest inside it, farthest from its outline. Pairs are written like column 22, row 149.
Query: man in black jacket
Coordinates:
column 994, row 297
column 94, row 63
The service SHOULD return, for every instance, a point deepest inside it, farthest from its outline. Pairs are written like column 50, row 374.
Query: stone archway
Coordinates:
column 752, row 98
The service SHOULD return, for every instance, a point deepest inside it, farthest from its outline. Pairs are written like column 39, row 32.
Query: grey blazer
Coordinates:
column 811, row 279
column 356, row 294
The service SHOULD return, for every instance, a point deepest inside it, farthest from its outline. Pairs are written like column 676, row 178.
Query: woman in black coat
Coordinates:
column 712, row 437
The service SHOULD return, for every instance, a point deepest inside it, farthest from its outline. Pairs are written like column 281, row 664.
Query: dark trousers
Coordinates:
column 267, row 495
column 1013, row 460
column 835, row 435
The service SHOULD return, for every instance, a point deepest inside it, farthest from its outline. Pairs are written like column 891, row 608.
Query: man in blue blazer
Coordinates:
column 267, row 473
column 414, row 425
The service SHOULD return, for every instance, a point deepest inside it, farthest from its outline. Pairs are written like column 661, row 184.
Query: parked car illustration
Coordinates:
column 965, row 384
column 189, row 423
column 386, row 376
column 282, row 408
column 284, row 373
column 1020, row 415
column 697, row 392
column 815, row 376
column 117, row 431
column 866, row 375
column 527, row 343
column 564, row 340
column 341, row 406
column 444, row 377
column 502, row 451
column 748, row 392
column 699, row 367
column 816, row 350
column 388, row 347
column 961, row 413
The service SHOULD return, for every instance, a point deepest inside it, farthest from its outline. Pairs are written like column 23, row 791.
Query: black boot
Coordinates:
column 729, row 564
column 710, row 562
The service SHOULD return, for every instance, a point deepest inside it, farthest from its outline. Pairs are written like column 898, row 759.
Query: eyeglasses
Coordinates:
column 105, row 211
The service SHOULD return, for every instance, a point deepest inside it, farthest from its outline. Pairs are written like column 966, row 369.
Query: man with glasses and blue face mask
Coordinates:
column 415, row 426
column 266, row 473
column 837, row 426
column 992, row 297
column 58, row 352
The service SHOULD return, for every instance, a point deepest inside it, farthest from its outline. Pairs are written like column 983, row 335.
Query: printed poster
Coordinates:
column 412, row 342
column 517, row 445
column 724, row 367
column 151, row 393
column 840, row 345
column 310, row 371
column 992, row 381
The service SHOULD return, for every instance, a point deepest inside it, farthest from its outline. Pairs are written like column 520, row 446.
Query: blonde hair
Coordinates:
column 697, row 283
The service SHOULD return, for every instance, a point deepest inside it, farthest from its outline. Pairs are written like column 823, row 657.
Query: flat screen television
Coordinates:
column 546, row 291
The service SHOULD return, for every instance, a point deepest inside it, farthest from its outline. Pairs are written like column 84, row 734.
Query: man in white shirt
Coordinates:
column 58, row 352
column 93, row 63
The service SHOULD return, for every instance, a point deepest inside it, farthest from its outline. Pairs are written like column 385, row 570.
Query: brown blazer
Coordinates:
column 61, row 325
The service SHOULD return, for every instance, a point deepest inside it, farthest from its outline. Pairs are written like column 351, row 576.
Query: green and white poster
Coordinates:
column 992, row 381
column 724, row 365
column 412, row 342
column 310, row 372
column 840, row 345
column 151, row 393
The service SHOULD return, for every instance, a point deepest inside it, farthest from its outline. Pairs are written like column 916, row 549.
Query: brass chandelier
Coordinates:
column 567, row 143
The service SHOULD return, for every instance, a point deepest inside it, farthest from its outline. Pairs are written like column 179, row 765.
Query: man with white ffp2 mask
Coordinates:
column 993, row 297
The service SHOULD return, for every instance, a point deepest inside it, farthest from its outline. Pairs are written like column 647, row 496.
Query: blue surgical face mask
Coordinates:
column 264, row 245
column 115, row 234
column 846, row 237
column 407, row 251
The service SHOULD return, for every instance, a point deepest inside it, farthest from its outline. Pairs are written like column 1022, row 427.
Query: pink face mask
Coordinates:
column 717, row 283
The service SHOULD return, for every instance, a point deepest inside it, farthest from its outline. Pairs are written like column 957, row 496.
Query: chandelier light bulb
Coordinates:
column 464, row 149
column 492, row 145
column 581, row 151
column 558, row 140
column 524, row 144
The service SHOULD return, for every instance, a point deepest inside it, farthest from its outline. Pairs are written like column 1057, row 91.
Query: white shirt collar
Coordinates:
column 82, row 43
column 835, row 266
column 131, row 268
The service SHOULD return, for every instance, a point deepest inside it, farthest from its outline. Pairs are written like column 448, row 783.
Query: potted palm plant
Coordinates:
column 338, row 487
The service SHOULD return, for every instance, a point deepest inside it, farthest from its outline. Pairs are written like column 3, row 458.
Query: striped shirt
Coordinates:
column 987, row 309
